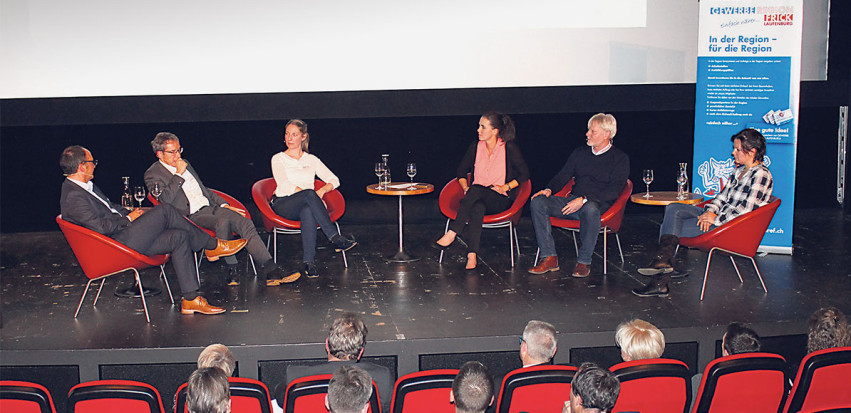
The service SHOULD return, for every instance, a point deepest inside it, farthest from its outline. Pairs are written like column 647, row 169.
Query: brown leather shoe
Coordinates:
column 199, row 305
column 581, row 270
column 275, row 278
column 225, row 248
column 547, row 264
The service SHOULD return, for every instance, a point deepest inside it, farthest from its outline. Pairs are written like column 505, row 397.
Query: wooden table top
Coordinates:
column 664, row 198
column 401, row 188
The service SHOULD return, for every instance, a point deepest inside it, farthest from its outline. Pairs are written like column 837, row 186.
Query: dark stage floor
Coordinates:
column 420, row 307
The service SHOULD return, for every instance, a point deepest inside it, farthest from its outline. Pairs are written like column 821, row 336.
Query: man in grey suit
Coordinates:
column 344, row 345
column 181, row 187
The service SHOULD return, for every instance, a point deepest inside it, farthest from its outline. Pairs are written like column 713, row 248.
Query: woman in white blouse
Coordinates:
column 294, row 170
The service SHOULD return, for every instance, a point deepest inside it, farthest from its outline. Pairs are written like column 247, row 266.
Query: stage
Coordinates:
column 420, row 315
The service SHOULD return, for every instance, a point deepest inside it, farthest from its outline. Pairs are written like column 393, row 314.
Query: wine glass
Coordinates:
column 648, row 178
column 412, row 172
column 156, row 191
column 379, row 172
column 139, row 194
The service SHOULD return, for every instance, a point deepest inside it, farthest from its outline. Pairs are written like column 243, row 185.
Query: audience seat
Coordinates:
column 120, row 396
column 653, row 385
column 307, row 395
column 424, row 392
column 25, row 397
column 751, row 382
column 535, row 389
column 247, row 396
column 823, row 382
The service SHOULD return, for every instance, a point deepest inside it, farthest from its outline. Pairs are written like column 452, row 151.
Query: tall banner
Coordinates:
column 749, row 76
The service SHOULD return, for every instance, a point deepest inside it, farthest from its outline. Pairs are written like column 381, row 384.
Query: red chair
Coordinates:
column 610, row 221
column 122, row 396
column 450, row 199
column 230, row 201
column 740, row 236
column 25, row 397
column 307, row 395
column 262, row 192
column 246, row 396
column 653, row 385
column 747, row 382
column 823, row 382
column 100, row 256
column 424, row 392
column 535, row 389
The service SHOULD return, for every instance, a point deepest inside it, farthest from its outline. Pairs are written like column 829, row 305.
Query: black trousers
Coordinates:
column 163, row 230
column 478, row 202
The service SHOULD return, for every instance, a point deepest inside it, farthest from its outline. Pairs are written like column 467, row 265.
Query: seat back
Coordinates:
column 748, row 382
column 122, row 396
column 450, row 197
column 307, row 395
column 25, row 397
column 100, row 255
column 246, row 396
column 262, row 191
column 741, row 235
column 424, row 392
column 822, row 382
column 535, row 389
column 653, row 385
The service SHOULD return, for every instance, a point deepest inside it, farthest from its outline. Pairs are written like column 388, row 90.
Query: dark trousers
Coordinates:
column 307, row 207
column 225, row 223
column 163, row 230
column 477, row 202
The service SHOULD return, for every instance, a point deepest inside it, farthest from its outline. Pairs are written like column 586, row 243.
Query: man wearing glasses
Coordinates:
column 182, row 188
column 161, row 230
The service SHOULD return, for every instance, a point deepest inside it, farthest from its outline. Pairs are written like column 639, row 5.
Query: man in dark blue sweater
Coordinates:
column 599, row 171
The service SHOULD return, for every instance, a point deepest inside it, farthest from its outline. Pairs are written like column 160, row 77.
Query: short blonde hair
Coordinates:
column 640, row 340
column 607, row 122
column 217, row 355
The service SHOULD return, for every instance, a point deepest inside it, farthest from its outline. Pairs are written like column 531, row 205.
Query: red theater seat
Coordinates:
column 120, row 396
column 653, row 385
column 307, row 395
column 823, row 382
column 748, row 382
column 246, row 395
column 535, row 389
column 424, row 392
column 25, row 397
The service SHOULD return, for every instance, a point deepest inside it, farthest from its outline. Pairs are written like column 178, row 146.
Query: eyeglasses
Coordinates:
column 178, row 150
column 521, row 340
column 93, row 161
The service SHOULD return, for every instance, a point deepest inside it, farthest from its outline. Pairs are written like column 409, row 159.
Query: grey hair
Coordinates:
column 640, row 340
column 349, row 390
column 607, row 122
column 163, row 138
column 217, row 355
column 347, row 337
column 472, row 388
column 540, row 338
column 208, row 391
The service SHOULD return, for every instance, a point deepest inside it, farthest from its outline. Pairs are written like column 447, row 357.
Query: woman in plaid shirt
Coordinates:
column 747, row 189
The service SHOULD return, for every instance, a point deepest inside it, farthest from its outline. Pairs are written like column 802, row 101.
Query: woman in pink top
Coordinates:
column 497, row 169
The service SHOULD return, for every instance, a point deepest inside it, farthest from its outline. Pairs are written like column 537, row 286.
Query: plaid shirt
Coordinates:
column 744, row 195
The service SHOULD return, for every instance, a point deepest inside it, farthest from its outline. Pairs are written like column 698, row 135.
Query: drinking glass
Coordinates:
column 139, row 194
column 379, row 172
column 648, row 178
column 156, row 191
column 682, row 179
column 412, row 172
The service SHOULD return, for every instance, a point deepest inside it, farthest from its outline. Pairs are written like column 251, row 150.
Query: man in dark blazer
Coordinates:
column 344, row 345
column 182, row 188
column 161, row 230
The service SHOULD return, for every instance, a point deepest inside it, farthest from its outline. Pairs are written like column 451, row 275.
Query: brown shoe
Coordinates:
column 225, row 248
column 274, row 282
column 547, row 264
column 581, row 270
column 199, row 305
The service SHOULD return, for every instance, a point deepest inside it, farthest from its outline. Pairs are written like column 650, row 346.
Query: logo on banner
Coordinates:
column 714, row 174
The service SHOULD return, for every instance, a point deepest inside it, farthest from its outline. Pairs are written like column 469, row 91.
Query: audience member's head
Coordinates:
column 739, row 339
column 346, row 338
column 349, row 390
column 538, row 343
column 472, row 389
column 217, row 355
column 593, row 389
column 828, row 328
column 639, row 340
column 208, row 391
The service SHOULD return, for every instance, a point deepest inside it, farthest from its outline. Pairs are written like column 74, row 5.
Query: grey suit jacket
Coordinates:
column 172, row 187
column 80, row 207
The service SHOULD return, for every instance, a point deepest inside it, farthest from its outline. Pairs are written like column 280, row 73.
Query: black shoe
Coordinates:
column 659, row 265
column 679, row 273
column 653, row 289
column 310, row 270
column 342, row 243
column 133, row 292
